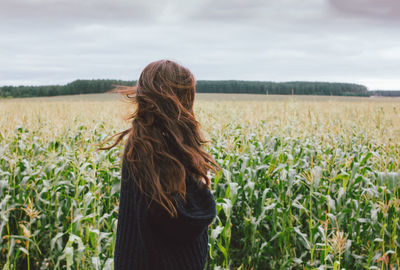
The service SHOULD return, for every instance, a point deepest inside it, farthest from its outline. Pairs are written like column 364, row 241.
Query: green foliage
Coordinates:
column 304, row 204
column 73, row 88
column 282, row 203
column 282, row 88
column 249, row 87
column 386, row 93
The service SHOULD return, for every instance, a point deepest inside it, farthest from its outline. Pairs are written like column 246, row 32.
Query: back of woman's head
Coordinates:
column 167, row 86
column 164, row 142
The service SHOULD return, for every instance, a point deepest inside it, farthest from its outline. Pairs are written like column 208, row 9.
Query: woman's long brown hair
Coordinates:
column 164, row 143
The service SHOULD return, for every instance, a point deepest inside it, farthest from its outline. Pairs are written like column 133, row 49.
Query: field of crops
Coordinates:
column 307, row 182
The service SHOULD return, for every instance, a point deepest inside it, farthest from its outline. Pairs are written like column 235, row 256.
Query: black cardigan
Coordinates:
column 148, row 241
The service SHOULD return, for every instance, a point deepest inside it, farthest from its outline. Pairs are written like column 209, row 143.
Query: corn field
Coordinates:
column 305, row 184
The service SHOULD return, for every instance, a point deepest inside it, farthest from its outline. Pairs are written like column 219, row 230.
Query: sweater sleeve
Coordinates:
column 129, row 218
column 194, row 216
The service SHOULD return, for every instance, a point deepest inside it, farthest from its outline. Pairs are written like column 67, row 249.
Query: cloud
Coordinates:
column 373, row 9
column 57, row 41
column 76, row 12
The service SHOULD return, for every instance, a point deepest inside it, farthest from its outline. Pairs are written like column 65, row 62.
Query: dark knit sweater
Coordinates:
column 156, row 241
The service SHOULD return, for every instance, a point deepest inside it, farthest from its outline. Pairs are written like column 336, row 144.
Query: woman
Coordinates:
column 165, row 204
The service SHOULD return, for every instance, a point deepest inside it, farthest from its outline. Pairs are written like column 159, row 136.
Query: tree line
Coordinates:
column 202, row 86
column 72, row 88
column 283, row 88
column 386, row 93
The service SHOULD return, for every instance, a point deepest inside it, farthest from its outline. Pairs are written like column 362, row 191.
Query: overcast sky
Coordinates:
column 57, row 41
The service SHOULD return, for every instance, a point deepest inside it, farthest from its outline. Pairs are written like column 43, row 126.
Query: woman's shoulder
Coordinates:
column 200, row 202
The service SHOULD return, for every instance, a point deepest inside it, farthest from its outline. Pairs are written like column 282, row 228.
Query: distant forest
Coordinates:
column 202, row 86
column 385, row 93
